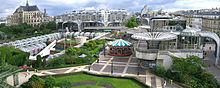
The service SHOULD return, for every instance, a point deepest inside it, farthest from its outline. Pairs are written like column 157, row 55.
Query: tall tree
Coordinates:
column 39, row 61
column 131, row 23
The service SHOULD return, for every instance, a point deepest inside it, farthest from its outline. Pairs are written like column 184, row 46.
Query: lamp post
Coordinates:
column 104, row 48
column 138, row 67
column 89, row 64
column 112, row 67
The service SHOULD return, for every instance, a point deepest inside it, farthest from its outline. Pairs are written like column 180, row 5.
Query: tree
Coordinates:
column 49, row 82
column 131, row 23
column 51, row 25
column 160, row 71
column 13, row 56
column 38, row 61
column 2, row 58
column 72, row 51
column 34, row 82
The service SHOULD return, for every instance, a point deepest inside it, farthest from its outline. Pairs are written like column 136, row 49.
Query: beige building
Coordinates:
column 27, row 14
column 211, row 24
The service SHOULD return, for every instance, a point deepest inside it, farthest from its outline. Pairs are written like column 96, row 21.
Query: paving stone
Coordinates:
column 97, row 67
column 142, row 79
column 153, row 82
column 118, row 69
column 120, row 60
column 134, row 70
column 59, row 71
column 134, row 60
column 119, row 63
column 107, row 68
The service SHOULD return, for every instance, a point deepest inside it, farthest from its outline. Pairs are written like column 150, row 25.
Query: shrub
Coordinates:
column 34, row 82
column 50, row 82
column 160, row 71
column 57, row 61
column 38, row 61
column 69, row 60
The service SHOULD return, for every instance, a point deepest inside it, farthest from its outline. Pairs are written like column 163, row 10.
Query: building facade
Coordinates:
column 27, row 14
column 205, row 19
column 95, row 15
column 160, row 23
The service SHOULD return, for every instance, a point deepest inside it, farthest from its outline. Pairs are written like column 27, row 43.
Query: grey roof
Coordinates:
column 28, row 8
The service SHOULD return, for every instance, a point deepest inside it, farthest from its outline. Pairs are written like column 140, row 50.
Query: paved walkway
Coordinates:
column 122, row 66
column 209, row 60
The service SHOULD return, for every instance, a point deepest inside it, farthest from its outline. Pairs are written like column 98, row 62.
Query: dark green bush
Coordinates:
column 50, row 82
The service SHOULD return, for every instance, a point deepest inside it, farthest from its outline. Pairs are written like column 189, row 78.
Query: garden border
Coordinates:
column 101, row 75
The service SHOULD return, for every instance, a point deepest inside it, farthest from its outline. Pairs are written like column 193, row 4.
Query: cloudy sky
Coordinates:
column 55, row 7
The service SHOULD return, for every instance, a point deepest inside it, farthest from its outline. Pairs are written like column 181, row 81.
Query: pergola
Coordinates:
column 8, row 70
column 34, row 44
column 157, row 40
column 120, row 48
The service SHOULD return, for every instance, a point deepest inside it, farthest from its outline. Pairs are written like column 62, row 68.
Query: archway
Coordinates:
column 216, row 39
column 78, row 22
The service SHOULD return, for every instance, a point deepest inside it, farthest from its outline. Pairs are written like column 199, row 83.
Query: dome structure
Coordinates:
column 154, row 36
column 120, row 42
column 120, row 48
column 190, row 31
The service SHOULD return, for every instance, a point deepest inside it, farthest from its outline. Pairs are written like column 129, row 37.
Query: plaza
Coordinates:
column 155, row 49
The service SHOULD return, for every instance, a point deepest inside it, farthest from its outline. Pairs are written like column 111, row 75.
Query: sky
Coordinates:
column 55, row 7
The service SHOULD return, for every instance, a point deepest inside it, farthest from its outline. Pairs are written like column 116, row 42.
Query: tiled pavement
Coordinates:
column 122, row 66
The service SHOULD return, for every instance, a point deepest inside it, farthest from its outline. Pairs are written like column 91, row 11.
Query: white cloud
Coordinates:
column 59, row 6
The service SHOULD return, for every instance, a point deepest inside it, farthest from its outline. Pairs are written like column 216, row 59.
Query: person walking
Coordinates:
column 164, row 84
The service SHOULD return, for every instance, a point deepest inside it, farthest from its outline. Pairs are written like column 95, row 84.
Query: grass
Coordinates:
column 218, row 67
column 116, row 82
column 68, row 41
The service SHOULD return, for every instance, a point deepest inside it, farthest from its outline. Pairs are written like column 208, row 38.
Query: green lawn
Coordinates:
column 116, row 82
column 68, row 41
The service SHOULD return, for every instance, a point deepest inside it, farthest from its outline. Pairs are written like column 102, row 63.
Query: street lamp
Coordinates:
column 89, row 64
column 112, row 67
column 104, row 48
column 138, row 67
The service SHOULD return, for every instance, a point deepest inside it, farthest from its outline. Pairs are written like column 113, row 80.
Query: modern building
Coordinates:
column 159, row 47
column 158, row 23
column 28, row 14
column 92, row 18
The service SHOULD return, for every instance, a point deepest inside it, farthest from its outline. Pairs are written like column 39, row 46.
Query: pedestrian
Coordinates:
column 28, row 72
column 164, row 84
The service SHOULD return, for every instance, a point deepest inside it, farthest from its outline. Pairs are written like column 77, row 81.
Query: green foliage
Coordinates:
column 24, row 30
column 72, row 54
column 160, row 71
column 13, row 56
column 131, row 23
column 190, row 72
column 59, row 61
column 50, row 82
column 38, row 61
column 34, row 82
column 72, row 51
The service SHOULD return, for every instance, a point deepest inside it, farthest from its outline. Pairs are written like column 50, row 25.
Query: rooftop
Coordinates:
column 154, row 36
